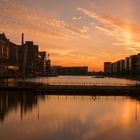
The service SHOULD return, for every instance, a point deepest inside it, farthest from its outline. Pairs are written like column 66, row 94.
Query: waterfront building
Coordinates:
column 118, row 66
column 122, row 65
column 28, row 58
column 4, row 48
column 48, row 65
column 74, row 70
column 114, row 67
column 58, row 70
column 107, row 67
column 133, row 63
column 138, row 63
column 20, row 60
column 8, row 57
column 41, row 64
column 127, row 64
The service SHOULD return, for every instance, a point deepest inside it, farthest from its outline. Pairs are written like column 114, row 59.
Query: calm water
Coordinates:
column 30, row 117
column 83, row 80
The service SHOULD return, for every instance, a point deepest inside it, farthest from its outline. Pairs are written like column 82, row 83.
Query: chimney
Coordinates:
column 22, row 43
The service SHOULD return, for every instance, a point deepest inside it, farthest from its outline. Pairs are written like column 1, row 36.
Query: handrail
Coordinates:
column 33, row 84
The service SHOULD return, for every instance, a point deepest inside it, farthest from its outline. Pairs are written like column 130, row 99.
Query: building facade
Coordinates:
column 107, row 67
column 8, row 57
column 129, row 65
column 41, row 63
column 28, row 58
column 69, row 70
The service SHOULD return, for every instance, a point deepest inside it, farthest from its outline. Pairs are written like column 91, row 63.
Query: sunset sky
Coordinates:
column 75, row 32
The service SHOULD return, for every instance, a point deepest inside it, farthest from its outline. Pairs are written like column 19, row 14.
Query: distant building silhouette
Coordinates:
column 58, row 70
column 107, row 67
column 129, row 65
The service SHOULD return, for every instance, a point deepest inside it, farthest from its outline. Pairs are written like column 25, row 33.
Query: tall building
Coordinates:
column 107, row 67
column 114, row 67
column 28, row 58
column 138, row 63
column 20, row 60
column 132, row 63
column 48, row 65
column 8, row 57
column 127, row 64
column 4, row 48
column 122, row 65
column 41, row 64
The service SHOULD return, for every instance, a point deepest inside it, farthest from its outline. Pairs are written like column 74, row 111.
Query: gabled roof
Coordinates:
column 2, row 36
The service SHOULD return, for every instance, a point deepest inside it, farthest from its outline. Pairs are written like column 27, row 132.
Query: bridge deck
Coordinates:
column 75, row 89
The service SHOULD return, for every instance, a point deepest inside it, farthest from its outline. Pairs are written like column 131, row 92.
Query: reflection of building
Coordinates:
column 26, row 103
column 107, row 67
column 58, row 70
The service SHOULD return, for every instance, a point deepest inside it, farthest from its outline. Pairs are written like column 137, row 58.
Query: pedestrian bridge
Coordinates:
column 74, row 88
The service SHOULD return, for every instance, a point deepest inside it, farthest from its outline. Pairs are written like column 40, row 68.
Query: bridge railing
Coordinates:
column 93, row 84
column 23, row 84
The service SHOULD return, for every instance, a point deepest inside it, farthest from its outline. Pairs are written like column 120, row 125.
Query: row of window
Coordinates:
column 4, row 51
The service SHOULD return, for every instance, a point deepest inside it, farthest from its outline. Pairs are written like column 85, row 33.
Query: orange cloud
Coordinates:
column 28, row 18
column 125, row 32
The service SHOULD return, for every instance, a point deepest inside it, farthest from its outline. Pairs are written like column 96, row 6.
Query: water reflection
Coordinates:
column 68, row 117
column 21, row 102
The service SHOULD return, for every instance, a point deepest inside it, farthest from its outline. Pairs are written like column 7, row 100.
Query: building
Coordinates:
column 28, row 59
column 107, row 67
column 129, row 65
column 8, row 57
column 126, row 65
column 20, row 60
column 69, row 70
column 133, row 63
column 48, row 65
column 138, row 63
column 122, row 65
column 118, row 66
column 114, row 67
column 41, row 64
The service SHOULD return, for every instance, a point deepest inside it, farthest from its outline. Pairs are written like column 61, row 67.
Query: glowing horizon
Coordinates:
column 75, row 32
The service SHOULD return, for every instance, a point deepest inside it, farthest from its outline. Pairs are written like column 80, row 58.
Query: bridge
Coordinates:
column 73, row 88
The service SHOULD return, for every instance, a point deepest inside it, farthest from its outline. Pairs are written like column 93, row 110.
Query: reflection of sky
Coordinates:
column 75, row 118
column 75, row 32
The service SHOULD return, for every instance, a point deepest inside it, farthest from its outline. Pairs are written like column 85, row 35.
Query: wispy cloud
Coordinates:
column 19, row 15
column 77, row 18
column 125, row 32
